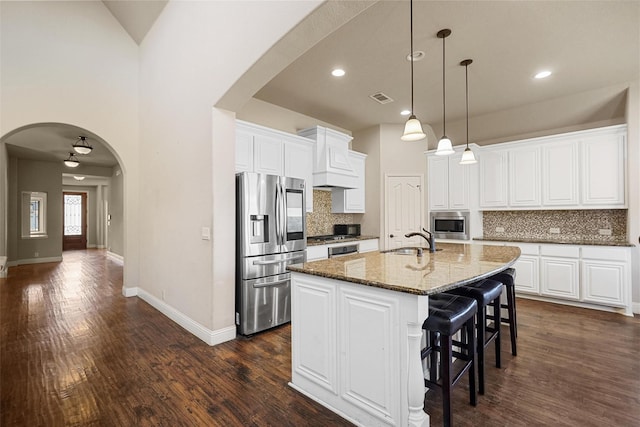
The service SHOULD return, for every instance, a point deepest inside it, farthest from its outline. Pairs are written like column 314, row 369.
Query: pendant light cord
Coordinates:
column 466, row 79
column 411, row 53
column 444, row 105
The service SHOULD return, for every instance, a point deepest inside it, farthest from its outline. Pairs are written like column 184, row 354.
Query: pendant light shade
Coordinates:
column 445, row 147
column 413, row 127
column 82, row 147
column 468, row 158
column 72, row 161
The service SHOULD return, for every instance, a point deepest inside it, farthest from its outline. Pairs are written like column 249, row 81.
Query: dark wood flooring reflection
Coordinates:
column 75, row 352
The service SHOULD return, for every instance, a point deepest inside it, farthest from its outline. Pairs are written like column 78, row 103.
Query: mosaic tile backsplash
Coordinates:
column 320, row 221
column 574, row 225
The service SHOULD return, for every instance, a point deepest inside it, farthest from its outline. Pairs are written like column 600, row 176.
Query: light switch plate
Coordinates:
column 499, row 229
column 604, row 232
column 554, row 230
column 206, row 233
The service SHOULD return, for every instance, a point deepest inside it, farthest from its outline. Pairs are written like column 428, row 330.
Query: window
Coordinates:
column 34, row 215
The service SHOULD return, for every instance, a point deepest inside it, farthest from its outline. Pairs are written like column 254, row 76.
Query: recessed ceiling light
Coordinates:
column 405, row 112
column 542, row 74
column 338, row 72
column 78, row 178
column 417, row 56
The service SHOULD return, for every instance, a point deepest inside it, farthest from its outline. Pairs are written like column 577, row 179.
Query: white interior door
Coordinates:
column 404, row 209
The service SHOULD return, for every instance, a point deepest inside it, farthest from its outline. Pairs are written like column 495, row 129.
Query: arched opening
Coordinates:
column 35, row 179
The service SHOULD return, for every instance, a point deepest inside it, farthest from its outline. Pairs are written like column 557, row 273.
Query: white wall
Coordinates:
column 71, row 62
column 190, row 58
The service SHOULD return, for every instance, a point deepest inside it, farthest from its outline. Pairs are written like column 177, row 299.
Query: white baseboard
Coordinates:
column 91, row 246
column 114, row 256
column 207, row 335
column 129, row 292
column 34, row 261
column 635, row 307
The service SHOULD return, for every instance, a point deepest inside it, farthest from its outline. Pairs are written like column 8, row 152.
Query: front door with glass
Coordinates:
column 75, row 221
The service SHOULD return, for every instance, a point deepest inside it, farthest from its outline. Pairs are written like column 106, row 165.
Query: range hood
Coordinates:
column 331, row 165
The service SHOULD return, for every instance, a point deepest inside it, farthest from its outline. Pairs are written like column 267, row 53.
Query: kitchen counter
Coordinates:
column 451, row 266
column 558, row 241
column 356, row 327
column 312, row 242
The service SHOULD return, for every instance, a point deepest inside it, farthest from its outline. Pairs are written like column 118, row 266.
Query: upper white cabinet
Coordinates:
column 263, row 150
column 449, row 182
column 603, row 171
column 524, row 177
column 560, row 174
column 351, row 200
column 494, row 178
column 577, row 170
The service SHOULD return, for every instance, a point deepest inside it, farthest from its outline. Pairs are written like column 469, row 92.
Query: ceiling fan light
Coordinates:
column 413, row 130
column 444, row 147
column 468, row 158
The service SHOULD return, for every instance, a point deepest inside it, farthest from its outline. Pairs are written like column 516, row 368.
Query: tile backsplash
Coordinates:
column 578, row 225
column 320, row 221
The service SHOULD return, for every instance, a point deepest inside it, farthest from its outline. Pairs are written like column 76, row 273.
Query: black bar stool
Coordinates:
column 449, row 314
column 508, row 279
column 486, row 292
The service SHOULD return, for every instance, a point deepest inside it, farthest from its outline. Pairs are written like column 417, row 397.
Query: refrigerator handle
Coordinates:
column 283, row 215
column 277, row 209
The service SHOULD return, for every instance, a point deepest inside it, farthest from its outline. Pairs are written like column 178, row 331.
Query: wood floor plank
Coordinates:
column 75, row 352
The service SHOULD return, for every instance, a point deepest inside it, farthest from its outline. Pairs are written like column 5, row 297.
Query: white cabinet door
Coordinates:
column 298, row 163
column 560, row 278
column 603, row 170
column 527, row 268
column 353, row 200
column 458, row 183
column 244, row 151
column 560, row 173
column 438, row 182
column 493, row 179
column 267, row 155
column 317, row 252
column 369, row 245
column 603, row 282
column 524, row 177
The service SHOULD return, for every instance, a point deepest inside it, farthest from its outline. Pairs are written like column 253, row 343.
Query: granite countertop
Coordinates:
column 555, row 241
column 331, row 242
column 452, row 266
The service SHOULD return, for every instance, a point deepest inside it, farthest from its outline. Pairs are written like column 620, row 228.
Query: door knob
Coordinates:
column 391, row 235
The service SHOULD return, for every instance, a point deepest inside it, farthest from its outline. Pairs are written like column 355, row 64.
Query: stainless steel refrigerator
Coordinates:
column 270, row 234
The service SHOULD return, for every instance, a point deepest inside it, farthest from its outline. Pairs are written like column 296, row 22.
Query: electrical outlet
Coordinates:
column 163, row 294
column 499, row 229
column 604, row 232
column 36, row 254
column 554, row 230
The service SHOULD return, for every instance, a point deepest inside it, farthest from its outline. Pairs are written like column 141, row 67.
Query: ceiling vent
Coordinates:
column 381, row 98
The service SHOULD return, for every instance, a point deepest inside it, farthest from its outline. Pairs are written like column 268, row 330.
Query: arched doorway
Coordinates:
column 34, row 156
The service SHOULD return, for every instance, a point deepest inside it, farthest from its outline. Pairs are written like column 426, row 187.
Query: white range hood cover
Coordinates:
column 331, row 165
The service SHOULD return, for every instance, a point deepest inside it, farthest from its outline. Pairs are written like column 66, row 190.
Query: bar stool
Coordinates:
column 486, row 292
column 449, row 314
column 508, row 279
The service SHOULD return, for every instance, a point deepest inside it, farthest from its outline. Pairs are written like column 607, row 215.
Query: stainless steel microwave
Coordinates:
column 450, row 225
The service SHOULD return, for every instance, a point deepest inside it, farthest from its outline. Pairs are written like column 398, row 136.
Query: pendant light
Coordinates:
column 444, row 145
column 468, row 158
column 72, row 161
column 82, row 147
column 413, row 127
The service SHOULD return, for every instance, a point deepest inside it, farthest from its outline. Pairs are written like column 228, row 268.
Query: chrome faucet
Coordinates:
column 430, row 239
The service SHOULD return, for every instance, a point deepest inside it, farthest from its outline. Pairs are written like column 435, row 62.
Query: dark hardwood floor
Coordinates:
column 75, row 352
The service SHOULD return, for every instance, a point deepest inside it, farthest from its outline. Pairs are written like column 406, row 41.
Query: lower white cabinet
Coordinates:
column 589, row 276
column 559, row 278
column 605, row 274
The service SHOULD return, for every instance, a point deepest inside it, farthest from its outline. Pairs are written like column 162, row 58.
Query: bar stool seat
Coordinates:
column 486, row 292
column 508, row 279
column 449, row 314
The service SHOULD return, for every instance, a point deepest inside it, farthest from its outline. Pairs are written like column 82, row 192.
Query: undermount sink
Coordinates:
column 411, row 250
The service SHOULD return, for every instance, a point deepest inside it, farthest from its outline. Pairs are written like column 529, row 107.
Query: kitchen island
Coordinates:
column 357, row 326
